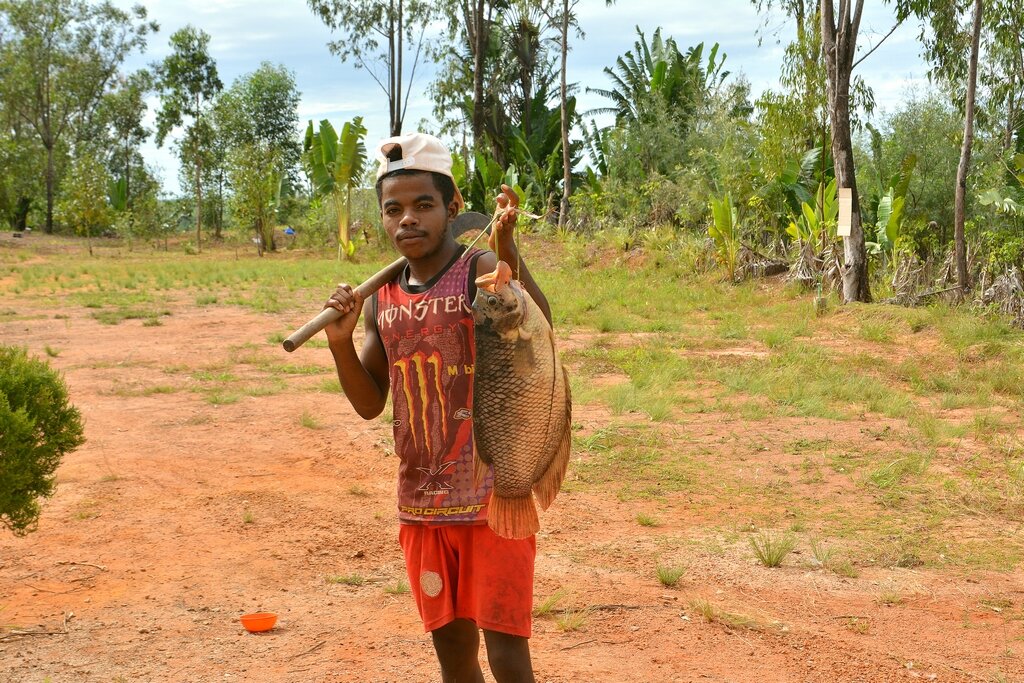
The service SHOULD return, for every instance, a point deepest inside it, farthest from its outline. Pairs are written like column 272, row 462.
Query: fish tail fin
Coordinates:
column 513, row 517
column 547, row 487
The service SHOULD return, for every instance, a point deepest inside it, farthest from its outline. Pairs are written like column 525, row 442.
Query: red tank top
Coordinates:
column 427, row 333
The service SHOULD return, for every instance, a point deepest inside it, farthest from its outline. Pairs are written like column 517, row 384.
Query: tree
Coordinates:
column 37, row 428
column 123, row 111
column 965, row 154
column 84, row 196
column 257, row 118
column 335, row 165
column 56, row 61
column 187, row 80
column 21, row 168
column 839, row 45
column 368, row 23
column 656, row 95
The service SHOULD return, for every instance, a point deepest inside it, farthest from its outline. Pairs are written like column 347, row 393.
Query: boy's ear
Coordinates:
column 453, row 210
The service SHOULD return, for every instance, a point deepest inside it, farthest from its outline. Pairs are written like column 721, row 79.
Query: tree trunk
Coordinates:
column 1011, row 112
column 563, row 209
column 396, row 124
column 199, row 185
column 22, row 207
column 839, row 46
column 50, row 181
column 479, row 47
column 219, row 225
column 199, row 205
column 965, row 155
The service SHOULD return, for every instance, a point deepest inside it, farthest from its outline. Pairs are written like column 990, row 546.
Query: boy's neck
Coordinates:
column 423, row 269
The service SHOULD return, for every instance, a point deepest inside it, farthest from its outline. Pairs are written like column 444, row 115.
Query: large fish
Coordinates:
column 522, row 410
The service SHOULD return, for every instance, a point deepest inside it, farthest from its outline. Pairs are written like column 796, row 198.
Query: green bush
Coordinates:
column 37, row 427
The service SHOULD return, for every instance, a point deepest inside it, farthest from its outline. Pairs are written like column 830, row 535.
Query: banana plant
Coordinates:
column 723, row 230
column 821, row 216
column 888, row 222
column 117, row 193
column 335, row 165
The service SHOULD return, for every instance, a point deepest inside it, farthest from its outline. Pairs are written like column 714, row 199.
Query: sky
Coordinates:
column 245, row 33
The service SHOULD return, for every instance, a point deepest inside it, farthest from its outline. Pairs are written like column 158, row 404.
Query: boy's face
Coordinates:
column 414, row 214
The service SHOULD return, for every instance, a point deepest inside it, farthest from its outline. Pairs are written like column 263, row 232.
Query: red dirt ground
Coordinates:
column 178, row 515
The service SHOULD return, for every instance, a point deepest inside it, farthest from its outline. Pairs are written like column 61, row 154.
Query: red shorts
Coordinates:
column 466, row 571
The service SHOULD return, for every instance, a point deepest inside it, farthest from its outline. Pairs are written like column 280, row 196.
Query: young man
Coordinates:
column 419, row 345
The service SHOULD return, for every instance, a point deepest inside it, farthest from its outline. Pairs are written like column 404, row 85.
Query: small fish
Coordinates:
column 522, row 408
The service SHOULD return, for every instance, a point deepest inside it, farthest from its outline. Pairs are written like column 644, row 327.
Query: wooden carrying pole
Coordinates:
column 469, row 220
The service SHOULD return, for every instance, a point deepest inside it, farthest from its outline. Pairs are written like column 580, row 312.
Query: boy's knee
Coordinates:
column 509, row 657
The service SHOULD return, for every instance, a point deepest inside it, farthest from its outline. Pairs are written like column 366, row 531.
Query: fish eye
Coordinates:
column 492, row 300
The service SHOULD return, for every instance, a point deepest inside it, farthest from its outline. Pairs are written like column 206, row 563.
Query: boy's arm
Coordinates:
column 363, row 376
column 502, row 241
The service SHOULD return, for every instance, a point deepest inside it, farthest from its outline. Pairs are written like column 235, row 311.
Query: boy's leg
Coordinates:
column 457, row 645
column 509, row 657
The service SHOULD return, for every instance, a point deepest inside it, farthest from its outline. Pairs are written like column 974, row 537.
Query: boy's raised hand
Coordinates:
column 502, row 239
column 349, row 303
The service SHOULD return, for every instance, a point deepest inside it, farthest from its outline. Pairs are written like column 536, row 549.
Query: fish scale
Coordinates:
column 521, row 407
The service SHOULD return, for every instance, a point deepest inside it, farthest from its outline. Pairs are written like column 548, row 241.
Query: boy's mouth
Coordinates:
column 409, row 235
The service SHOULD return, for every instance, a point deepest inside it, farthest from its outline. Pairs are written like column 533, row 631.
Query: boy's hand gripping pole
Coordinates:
column 468, row 220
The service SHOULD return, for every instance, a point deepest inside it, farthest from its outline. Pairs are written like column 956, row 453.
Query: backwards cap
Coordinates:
column 416, row 152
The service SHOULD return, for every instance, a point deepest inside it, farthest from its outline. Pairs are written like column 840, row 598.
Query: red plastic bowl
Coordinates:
column 259, row 621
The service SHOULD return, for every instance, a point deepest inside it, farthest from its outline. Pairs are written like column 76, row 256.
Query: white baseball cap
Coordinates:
column 416, row 152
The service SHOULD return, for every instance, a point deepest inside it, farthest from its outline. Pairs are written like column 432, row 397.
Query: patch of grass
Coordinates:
column 887, row 478
column 51, row 352
column 359, row 491
column 889, row 598
column 211, row 376
column 878, row 330
column 269, row 388
column 646, row 520
column 208, row 300
column 548, row 604
column 248, row 517
column 329, row 385
column 346, row 579
column 308, row 421
column 770, row 549
column 858, row 625
column 221, row 398
column 572, row 619
column 712, row 614
column 400, row 587
column 669, row 576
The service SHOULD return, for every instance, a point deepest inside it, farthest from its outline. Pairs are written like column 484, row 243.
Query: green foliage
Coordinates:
column 188, row 81
column 257, row 118
column 725, row 232
column 57, row 58
column 84, row 204
column 770, row 549
column 335, row 165
column 37, row 428
column 817, row 218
